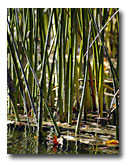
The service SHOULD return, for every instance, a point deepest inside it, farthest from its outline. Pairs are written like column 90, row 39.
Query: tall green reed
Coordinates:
column 59, row 73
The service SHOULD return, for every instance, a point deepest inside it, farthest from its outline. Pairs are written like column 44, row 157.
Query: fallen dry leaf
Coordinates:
column 111, row 142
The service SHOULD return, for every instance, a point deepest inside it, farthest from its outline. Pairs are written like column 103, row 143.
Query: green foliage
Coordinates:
column 57, row 62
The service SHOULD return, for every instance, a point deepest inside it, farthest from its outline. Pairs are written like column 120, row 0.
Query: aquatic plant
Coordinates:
column 56, row 64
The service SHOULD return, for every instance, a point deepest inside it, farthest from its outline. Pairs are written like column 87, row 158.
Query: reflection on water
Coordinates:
column 21, row 141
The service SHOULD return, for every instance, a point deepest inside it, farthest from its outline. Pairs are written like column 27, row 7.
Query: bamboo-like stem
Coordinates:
column 52, row 45
column 42, row 79
column 18, row 74
column 12, row 94
column 27, row 57
column 60, row 90
column 98, row 34
column 84, row 86
column 17, row 55
column 113, row 74
column 30, row 28
column 92, row 87
column 52, row 67
column 70, row 67
column 52, row 118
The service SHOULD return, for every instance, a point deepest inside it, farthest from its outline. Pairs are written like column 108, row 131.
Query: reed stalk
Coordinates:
column 24, row 76
column 42, row 78
column 53, row 68
column 84, row 86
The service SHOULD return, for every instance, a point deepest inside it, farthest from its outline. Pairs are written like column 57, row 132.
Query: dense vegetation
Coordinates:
column 63, row 64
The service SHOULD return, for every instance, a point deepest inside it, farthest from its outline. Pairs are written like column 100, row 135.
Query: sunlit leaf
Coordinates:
column 55, row 140
column 36, row 137
column 112, row 142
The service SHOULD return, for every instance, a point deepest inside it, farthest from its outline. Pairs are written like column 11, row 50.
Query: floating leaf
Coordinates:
column 55, row 140
column 112, row 142
column 36, row 137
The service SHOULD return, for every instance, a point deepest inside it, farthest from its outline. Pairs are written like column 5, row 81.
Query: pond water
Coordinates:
column 20, row 141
